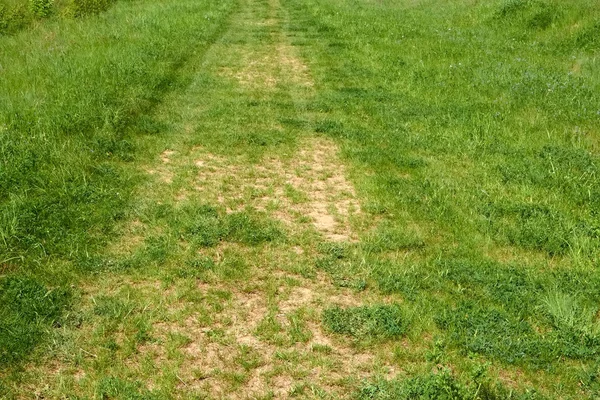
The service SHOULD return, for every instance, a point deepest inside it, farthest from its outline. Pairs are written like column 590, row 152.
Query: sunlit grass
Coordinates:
column 164, row 166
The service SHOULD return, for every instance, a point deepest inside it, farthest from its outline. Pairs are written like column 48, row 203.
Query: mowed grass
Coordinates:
column 175, row 221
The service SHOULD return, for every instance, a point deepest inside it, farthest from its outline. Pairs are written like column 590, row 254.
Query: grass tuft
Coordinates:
column 366, row 322
column 207, row 227
column 27, row 311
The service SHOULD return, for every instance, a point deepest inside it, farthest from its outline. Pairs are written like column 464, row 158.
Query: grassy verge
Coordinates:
column 472, row 132
column 74, row 94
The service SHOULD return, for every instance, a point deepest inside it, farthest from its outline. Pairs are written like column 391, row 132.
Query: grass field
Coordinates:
column 391, row 199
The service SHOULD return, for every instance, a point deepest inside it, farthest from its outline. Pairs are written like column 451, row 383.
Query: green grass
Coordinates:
column 441, row 385
column 63, row 145
column 378, row 322
column 16, row 15
column 477, row 124
column 175, row 220
column 64, row 179
column 28, row 310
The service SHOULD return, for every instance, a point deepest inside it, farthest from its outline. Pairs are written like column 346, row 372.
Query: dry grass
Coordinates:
column 311, row 184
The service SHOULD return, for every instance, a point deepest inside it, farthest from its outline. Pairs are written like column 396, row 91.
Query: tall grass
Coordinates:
column 19, row 14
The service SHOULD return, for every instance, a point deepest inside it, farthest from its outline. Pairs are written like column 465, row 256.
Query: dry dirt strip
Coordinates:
column 311, row 185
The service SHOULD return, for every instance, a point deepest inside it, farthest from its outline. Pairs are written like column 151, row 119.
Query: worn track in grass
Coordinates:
column 332, row 199
column 226, row 319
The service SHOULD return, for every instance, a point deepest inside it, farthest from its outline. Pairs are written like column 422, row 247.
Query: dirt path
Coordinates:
column 274, row 318
column 228, row 319
column 258, row 60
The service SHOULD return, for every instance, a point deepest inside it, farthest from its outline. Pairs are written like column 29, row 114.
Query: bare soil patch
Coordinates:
column 311, row 185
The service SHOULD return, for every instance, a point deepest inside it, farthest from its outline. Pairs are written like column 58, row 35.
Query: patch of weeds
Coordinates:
column 508, row 286
column 377, row 321
column 17, row 15
column 41, row 8
column 207, row 228
column 13, row 19
column 297, row 329
column 117, row 388
column 442, row 385
column 502, row 336
column 494, row 333
column 27, row 311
